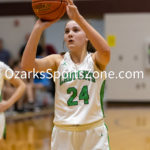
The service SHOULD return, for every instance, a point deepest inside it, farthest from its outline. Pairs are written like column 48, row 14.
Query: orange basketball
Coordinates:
column 49, row 9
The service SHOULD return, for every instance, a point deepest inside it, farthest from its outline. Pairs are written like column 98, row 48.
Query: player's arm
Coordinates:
column 20, row 88
column 102, row 54
column 29, row 61
column 48, row 62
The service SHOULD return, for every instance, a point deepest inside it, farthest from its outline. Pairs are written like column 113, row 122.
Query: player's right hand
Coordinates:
column 42, row 25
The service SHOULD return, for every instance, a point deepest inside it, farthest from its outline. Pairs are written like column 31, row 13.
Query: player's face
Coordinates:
column 74, row 36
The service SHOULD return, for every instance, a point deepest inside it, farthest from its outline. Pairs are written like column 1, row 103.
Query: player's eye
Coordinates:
column 66, row 31
column 75, row 29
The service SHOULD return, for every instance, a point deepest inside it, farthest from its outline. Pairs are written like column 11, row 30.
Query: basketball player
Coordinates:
column 78, row 121
column 6, row 73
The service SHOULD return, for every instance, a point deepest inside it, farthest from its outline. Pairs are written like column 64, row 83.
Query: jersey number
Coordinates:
column 82, row 96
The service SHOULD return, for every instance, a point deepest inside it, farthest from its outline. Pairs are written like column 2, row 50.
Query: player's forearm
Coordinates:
column 29, row 55
column 17, row 94
column 95, row 38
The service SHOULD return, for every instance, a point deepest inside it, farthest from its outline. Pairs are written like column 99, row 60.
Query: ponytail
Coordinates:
column 90, row 47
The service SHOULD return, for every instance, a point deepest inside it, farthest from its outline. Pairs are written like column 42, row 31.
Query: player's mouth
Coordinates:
column 70, row 41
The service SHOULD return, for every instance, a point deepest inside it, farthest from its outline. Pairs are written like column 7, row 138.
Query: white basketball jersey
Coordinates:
column 79, row 92
column 3, row 75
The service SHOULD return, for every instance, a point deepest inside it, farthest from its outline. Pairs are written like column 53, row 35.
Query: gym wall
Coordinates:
column 131, row 33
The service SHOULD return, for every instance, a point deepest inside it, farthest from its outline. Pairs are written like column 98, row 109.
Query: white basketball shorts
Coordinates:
column 91, row 139
column 2, row 125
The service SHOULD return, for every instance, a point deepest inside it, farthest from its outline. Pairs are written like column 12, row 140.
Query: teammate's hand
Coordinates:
column 4, row 105
column 72, row 10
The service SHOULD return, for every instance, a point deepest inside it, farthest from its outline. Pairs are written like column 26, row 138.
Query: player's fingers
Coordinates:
column 70, row 2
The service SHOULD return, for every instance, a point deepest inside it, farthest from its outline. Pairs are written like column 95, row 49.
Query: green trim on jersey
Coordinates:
column 4, row 134
column 107, row 135
column 0, row 98
column 102, row 95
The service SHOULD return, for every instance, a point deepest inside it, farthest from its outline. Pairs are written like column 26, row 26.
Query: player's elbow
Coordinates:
column 106, row 55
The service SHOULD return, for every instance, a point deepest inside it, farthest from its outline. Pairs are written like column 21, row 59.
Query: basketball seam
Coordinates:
column 56, row 17
column 53, row 10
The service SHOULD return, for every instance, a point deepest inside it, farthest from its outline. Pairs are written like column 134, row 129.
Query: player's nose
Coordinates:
column 70, row 34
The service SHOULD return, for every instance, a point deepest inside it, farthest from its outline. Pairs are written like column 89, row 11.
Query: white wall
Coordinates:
column 54, row 35
column 131, row 31
column 14, row 36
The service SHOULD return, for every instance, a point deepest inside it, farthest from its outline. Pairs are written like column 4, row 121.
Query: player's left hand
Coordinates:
column 72, row 10
column 4, row 106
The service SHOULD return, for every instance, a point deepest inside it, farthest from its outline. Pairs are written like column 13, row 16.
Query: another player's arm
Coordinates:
column 20, row 88
column 102, row 54
column 28, row 59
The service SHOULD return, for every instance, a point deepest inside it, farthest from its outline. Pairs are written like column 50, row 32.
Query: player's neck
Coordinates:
column 78, row 56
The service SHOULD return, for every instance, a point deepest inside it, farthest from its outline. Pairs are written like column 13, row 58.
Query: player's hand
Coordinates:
column 4, row 105
column 72, row 10
column 42, row 25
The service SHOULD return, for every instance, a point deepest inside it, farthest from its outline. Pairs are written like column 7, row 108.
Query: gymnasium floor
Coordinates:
column 129, row 129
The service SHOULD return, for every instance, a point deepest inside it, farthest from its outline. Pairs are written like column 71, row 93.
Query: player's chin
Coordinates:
column 71, row 46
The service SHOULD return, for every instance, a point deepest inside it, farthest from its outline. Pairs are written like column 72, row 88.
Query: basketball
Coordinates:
column 49, row 10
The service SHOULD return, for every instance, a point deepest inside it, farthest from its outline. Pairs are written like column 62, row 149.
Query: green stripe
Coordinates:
column 4, row 134
column 102, row 96
column 0, row 98
column 102, row 106
column 107, row 135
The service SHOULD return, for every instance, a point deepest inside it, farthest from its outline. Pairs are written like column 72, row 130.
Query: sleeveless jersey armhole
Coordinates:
column 101, row 72
column 61, row 62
